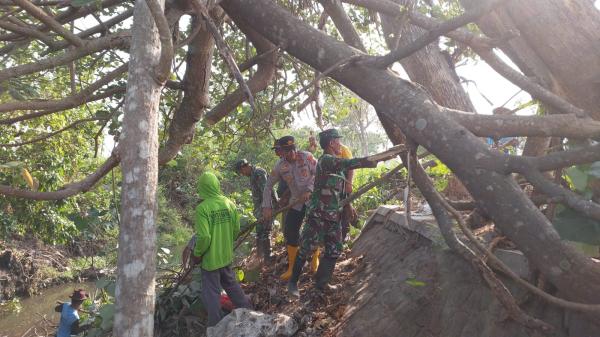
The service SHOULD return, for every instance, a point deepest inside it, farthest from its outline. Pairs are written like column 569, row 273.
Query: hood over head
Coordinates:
column 209, row 186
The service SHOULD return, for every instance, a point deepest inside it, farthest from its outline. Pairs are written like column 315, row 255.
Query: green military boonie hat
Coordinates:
column 329, row 134
column 239, row 164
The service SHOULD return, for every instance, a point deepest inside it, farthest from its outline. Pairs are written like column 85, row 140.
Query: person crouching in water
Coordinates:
column 217, row 225
column 69, row 316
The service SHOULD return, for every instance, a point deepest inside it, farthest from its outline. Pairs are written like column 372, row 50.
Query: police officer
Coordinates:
column 297, row 169
column 258, row 179
column 323, row 213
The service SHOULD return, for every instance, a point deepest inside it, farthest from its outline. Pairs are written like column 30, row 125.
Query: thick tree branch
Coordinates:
column 432, row 35
column 496, row 286
column 482, row 47
column 526, row 84
column 588, row 308
column 567, row 126
column 71, row 14
column 343, row 23
column 51, row 134
column 572, row 199
column 257, row 83
column 556, row 160
column 65, row 103
column 108, row 93
column 26, row 31
column 195, row 85
column 224, row 50
column 119, row 40
column 49, row 21
column 401, row 104
column 101, row 28
column 163, row 68
column 69, row 190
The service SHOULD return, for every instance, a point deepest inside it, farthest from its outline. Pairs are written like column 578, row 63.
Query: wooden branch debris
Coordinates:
column 496, row 286
column 582, row 307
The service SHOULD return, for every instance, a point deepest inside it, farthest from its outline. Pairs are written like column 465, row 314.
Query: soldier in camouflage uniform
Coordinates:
column 323, row 219
column 258, row 179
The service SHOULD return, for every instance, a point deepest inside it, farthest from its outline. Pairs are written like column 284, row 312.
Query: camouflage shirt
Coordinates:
column 258, row 179
column 325, row 200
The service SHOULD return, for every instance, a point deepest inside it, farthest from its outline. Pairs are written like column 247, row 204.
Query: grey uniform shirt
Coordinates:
column 299, row 176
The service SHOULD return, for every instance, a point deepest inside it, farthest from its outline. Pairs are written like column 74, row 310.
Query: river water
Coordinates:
column 34, row 309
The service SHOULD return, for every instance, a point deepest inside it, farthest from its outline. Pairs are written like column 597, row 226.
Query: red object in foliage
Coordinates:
column 226, row 303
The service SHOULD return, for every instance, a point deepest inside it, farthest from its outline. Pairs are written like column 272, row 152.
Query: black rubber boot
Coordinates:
column 296, row 271
column 324, row 273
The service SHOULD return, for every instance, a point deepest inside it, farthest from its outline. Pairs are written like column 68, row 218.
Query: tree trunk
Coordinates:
column 196, row 98
column 412, row 111
column 428, row 66
column 557, row 44
column 139, row 163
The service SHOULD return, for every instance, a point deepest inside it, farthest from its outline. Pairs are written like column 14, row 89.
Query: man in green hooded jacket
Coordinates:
column 217, row 225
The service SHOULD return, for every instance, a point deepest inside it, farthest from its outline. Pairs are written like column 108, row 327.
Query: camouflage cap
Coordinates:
column 329, row 134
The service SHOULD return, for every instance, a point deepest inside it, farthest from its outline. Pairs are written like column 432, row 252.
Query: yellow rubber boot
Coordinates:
column 314, row 264
column 292, row 252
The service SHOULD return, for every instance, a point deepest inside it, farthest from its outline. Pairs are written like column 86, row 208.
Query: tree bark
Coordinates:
column 428, row 66
column 139, row 164
column 196, row 98
column 557, row 44
column 414, row 114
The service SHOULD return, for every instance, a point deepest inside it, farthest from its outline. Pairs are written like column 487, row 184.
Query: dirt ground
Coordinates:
column 316, row 312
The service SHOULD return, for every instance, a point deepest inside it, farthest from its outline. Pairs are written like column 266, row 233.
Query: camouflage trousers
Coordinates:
column 263, row 230
column 316, row 231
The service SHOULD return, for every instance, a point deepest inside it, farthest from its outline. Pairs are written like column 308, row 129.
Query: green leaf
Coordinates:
column 103, row 283
column 578, row 177
column 12, row 165
column 595, row 169
column 414, row 282
column 110, row 289
column 107, row 313
column 573, row 226
column 172, row 163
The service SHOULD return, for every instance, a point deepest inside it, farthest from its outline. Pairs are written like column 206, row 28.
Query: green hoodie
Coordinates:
column 217, row 224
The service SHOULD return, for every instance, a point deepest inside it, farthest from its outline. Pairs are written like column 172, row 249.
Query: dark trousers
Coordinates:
column 293, row 222
column 212, row 282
